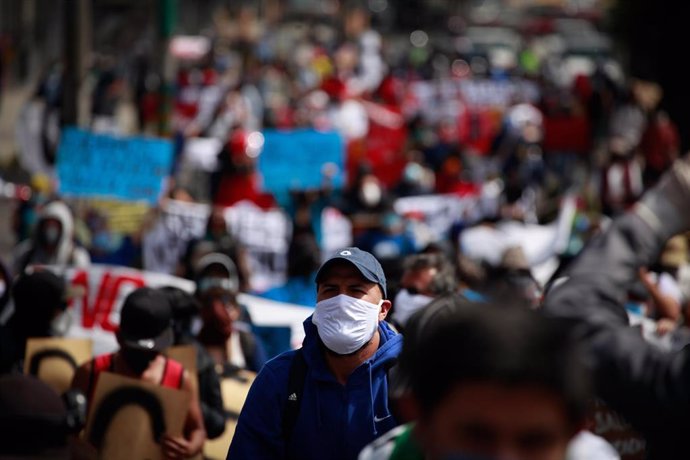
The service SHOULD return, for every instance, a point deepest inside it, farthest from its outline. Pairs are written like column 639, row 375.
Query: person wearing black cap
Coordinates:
column 329, row 398
column 145, row 331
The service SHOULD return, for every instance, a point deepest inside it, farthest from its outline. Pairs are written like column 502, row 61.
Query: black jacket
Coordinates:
column 648, row 386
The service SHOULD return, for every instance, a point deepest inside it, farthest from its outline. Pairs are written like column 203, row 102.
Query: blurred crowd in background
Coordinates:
column 491, row 145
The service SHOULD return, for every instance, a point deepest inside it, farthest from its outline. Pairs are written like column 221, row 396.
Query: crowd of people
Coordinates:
column 564, row 281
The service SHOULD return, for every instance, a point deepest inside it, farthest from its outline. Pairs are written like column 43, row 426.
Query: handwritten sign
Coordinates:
column 266, row 236
column 178, row 223
column 97, row 165
column 299, row 160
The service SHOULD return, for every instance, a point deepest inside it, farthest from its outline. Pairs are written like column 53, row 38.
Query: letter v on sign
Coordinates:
column 99, row 312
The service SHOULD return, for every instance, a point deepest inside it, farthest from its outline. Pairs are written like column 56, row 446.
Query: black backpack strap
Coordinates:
column 248, row 346
column 295, row 387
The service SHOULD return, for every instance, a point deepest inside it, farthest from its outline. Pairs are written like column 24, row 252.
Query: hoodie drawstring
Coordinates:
column 371, row 396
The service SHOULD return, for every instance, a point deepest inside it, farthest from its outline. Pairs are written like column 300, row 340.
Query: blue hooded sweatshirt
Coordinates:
column 334, row 422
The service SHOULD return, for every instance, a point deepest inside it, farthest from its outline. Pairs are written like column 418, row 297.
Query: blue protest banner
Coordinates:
column 301, row 160
column 97, row 165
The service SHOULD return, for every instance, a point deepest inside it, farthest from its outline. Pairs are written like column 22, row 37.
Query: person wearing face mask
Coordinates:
column 227, row 339
column 52, row 242
column 145, row 331
column 425, row 277
column 329, row 398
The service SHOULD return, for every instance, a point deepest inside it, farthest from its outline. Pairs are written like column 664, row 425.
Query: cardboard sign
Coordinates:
column 96, row 165
column 128, row 417
column 185, row 355
column 54, row 360
column 234, row 392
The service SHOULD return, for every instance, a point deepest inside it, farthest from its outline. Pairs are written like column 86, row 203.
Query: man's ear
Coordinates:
column 385, row 307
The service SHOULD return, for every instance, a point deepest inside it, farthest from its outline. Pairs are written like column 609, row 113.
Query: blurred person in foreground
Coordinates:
column 145, row 331
column 648, row 386
column 329, row 398
column 515, row 386
column 34, row 421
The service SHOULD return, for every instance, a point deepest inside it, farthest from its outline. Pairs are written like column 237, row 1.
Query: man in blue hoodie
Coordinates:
column 328, row 399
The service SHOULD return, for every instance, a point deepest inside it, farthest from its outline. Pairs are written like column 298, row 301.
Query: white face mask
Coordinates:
column 346, row 324
column 406, row 304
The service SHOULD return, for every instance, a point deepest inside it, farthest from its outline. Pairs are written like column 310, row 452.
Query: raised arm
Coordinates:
column 650, row 387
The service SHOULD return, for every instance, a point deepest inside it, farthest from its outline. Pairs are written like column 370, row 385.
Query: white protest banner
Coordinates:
column 96, row 315
column 165, row 243
column 446, row 98
column 266, row 237
column 498, row 93
column 336, row 231
column 439, row 212
column 541, row 243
